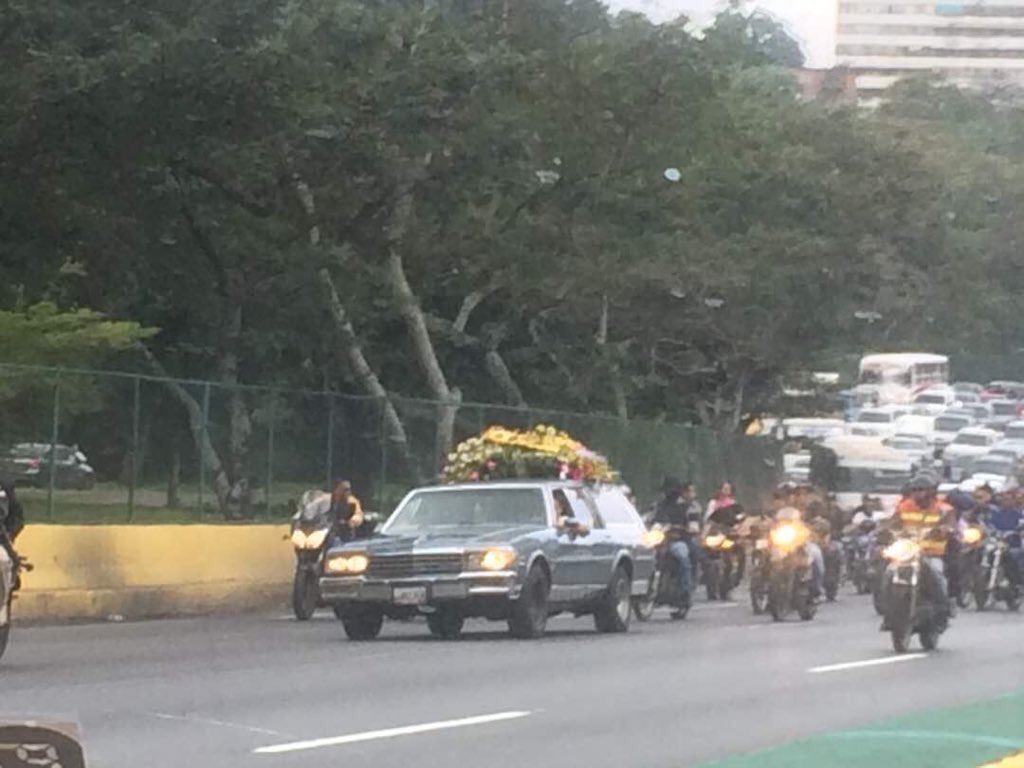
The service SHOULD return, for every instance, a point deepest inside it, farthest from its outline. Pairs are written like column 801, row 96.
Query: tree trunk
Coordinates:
column 614, row 372
column 364, row 374
column 416, row 323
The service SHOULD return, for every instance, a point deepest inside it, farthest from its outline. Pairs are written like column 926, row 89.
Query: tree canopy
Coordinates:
column 529, row 202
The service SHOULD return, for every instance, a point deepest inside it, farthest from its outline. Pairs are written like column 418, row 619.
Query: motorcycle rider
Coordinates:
column 12, row 521
column 346, row 511
column 1007, row 519
column 921, row 512
column 673, row 512
column 814, row 553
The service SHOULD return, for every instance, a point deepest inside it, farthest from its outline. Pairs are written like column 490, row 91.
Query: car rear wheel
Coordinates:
column 614, row 610
column 445, row 623
column 362, row 624
column 529, row 616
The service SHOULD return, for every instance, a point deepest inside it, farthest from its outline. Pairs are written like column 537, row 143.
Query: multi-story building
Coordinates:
column 973, row 43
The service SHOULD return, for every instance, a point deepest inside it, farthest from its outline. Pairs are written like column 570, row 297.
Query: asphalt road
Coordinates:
column 212, row 691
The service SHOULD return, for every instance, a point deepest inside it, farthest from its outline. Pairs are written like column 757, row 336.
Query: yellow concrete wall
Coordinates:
column 152, row 570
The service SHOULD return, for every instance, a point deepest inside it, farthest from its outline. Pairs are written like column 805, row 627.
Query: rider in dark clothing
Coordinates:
column 12, row 521
column 672, row 512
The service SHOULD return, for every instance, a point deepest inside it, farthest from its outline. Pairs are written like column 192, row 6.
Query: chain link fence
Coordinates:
column 108, row 447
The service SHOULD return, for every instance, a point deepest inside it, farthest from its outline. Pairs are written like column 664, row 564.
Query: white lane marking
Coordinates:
column 210, row 721
column 868, row 663
column 388, row 733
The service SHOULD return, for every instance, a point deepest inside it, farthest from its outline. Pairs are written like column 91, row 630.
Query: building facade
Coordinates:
column 973, row 43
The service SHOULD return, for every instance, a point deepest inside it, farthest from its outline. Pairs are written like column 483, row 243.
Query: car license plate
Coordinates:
column 409, row 595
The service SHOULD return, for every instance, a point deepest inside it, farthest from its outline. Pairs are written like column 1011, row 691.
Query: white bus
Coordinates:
column 896, row 378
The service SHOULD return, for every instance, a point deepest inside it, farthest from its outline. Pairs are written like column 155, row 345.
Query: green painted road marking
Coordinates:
column 946, row 738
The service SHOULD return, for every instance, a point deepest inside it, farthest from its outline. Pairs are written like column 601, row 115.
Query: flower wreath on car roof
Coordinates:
column 543, row 452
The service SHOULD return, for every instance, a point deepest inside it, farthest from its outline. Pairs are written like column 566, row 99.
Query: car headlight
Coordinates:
column 347, row 564
column 653, row 538
column 316, row 539
column 298, row 539
column 496, row 559
column 902, row 550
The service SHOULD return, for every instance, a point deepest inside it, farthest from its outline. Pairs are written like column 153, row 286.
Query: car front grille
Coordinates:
column 405, row 566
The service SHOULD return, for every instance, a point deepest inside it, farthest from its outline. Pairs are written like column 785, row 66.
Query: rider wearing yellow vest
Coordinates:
column 931, row 521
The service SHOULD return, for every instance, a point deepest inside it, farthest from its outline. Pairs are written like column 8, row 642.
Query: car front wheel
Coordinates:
column 613, row 612
column 529, row 616
column 364, row 624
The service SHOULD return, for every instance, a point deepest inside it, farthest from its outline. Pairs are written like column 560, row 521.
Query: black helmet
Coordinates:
column 672, row 486
column 922, row 482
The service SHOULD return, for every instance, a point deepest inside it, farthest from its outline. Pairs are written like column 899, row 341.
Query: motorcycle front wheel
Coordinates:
column 981, row 593
column 643, row 607
column 713, row 579
column 898, row 618
column 780, row 594
column 305, row 594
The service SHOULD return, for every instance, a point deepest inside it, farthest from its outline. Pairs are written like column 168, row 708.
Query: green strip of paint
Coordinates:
column 946, row 738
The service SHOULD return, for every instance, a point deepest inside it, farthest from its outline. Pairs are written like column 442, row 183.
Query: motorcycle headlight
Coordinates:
column 316, row 539
column 298, row 539
column 973, row 535
column 347, row 564
column 714, row 541
column 653, row 538
column 784, row 536
column 496, row 559
column 902, row 550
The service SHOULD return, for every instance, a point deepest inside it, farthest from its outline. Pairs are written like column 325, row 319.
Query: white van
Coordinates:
column 934, row 401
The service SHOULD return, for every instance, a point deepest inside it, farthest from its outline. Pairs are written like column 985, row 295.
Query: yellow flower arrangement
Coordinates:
column 541, row 452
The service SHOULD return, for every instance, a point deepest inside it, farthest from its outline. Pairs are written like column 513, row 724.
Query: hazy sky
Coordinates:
column 812, row 22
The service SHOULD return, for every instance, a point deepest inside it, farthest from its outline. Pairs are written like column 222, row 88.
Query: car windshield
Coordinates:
column 1004, row 409
column 972, row 439
column 871, row 480
column 907, row 444
column 930, row 399
column 993, row 466
column 468, row 508
column 1015, row 432
column 874, row 417
column 950, row 423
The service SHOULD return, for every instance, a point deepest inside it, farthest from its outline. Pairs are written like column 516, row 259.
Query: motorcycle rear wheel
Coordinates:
column 5, row 630
column 929, row 639
column 713, row 579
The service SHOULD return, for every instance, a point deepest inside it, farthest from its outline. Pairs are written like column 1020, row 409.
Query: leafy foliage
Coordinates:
column 592, row 212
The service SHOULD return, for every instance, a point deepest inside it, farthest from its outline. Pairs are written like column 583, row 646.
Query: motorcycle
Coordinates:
column 906, row 612
column 10, row 582
column 833, row 557
column 759, row 570
column 722, row 562
column 858, row 547
column 991, row 580
column 663, row 588
column 789, row 571
column 968, row 561
column 877, row 565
